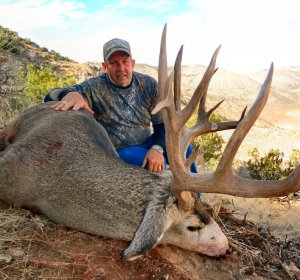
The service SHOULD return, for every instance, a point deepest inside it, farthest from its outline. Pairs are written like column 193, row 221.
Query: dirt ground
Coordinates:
column 32, row 247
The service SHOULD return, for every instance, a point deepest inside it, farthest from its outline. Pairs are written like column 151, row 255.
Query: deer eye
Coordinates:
column 190, row 228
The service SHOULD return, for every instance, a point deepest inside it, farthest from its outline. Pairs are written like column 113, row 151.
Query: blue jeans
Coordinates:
column 135, row 154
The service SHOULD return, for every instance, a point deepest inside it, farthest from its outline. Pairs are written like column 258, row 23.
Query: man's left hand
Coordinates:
column 155, row 161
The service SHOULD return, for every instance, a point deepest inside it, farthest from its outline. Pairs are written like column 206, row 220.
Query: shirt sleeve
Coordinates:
column 153, row 88
column 56, row 94
column 159, row 135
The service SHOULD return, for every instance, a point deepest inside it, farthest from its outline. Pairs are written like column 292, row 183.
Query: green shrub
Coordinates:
column 39, row 81
column 295, row 158
column 31, row 43
column 210, row 143
column 7, row 41
column 44, row 49
column 11, row 87
column 271, row 166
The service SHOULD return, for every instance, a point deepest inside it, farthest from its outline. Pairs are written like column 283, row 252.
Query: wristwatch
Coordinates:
column 158, row 148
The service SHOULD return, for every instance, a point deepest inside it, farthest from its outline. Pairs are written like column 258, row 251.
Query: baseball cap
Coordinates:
column 115, row 45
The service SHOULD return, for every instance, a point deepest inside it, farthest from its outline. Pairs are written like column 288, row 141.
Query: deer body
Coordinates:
column 40, row 164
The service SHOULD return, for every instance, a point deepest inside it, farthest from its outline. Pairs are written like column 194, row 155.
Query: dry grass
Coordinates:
column 261, row 252
column 270, row 243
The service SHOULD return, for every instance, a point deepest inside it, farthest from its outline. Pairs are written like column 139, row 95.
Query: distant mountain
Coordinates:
column 240, row 91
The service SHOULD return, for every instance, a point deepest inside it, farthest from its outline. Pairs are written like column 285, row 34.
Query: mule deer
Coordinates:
column 64, row 165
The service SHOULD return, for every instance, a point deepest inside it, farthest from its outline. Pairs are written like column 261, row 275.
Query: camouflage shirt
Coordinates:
column 125, row 112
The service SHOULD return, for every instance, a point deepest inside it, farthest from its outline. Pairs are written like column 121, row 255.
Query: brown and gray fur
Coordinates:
column 64, row 165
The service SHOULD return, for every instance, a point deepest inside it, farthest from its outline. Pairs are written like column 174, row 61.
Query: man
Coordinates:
column 122, row 101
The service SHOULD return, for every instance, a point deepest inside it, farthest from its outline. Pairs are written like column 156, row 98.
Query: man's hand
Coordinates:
column 73, row 100
column 155, row 160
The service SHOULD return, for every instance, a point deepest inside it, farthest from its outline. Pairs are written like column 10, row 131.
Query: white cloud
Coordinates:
column 38, row 14
column 159, row 6
column 253, row 33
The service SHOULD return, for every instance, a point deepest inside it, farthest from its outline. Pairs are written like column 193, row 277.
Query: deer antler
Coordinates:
column 178, row 137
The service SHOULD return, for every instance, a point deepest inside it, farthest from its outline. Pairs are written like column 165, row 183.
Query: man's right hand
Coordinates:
column 73, row 100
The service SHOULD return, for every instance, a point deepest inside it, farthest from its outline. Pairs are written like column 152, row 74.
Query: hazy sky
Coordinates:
column 253, row 33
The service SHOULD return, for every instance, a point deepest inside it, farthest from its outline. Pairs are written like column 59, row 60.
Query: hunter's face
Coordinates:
column 119, row 67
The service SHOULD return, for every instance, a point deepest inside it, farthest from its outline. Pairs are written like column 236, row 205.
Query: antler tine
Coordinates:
column 203, row 125
column 164, row 93
column 210, row 111
column 201, row 109
column 177, row 80
column 243, row 128
column 199, row 97
column 163, row 64
column 200, row 90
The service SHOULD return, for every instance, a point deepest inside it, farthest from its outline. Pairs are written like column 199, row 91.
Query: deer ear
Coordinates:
column 153, row 227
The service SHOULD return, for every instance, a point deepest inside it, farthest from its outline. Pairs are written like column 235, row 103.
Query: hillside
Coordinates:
column 15, row 50
column 286, row 84
column 24, row 65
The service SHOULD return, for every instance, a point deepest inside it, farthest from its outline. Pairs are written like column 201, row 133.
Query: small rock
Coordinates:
column 247, row 270
column 100, row 272
column 15, row 253
column 5, row 258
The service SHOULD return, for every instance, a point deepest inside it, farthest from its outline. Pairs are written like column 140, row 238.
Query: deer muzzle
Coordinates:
column 212, row 241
